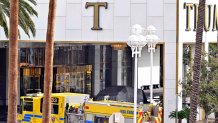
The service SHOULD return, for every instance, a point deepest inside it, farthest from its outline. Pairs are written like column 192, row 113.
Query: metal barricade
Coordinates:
column 74, row 118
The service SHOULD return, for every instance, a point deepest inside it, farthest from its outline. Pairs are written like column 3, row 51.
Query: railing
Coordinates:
column 74, row 118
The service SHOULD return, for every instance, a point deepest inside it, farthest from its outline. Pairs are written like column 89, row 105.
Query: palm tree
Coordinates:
column 26, row 10
column 49, row 54
column 13, row 62
column 197, row 62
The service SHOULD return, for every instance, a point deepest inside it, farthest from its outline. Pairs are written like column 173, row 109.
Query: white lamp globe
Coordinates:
column 151, row 29
column 136, row 41
column 137, row 29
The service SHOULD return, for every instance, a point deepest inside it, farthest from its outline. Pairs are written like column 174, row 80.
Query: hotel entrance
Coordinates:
column 30, row 79
column 71, row 70
column 80, row 68
column 86, row 68
column 75, row 79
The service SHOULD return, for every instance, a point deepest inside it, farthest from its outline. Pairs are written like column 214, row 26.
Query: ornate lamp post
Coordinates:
column 136, row 41
column 152, row 40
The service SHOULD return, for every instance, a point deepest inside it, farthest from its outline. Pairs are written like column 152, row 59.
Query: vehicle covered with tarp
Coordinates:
column 121, row 93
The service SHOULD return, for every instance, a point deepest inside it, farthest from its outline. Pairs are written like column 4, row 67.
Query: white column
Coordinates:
column 206, row 43
column 119, row 67
column 169, row 80
column 96, row 71
column 180, row 76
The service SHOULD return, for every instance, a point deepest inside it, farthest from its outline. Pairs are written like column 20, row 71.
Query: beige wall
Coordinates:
column 73, row 23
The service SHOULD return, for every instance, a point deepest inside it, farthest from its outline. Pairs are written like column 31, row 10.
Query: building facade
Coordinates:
column 90, row 46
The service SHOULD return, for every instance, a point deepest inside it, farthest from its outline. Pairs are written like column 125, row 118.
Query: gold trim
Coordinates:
column 118, row 46
column 32, row 71
column 164, row 82
column 177, row 44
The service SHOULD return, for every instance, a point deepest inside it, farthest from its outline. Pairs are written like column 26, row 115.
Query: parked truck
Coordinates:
column 79, row 108
column 62, row 104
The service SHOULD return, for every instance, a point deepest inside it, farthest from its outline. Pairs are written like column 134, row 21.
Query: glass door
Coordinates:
column 31, row 80
column 75, row 79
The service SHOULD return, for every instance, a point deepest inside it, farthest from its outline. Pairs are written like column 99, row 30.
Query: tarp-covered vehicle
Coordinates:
column 122, row 94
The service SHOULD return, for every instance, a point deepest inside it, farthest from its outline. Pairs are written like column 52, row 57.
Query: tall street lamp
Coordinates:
column 152, row 40
column 136, row 41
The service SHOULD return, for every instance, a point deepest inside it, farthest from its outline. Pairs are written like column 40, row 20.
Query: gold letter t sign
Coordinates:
column 96, row 6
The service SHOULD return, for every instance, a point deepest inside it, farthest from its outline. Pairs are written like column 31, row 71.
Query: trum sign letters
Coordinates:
column 187, row 18
column 211, row 16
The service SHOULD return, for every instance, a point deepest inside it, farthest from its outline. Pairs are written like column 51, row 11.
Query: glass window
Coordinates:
column 54, row 107
column 28, row 106
column 101, row 119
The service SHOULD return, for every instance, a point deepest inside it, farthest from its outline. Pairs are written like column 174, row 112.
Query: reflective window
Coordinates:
column 54, row 107
column 101, row 119
column 28, row 106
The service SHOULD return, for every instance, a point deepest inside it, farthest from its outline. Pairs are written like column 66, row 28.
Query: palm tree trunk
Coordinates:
column 13, row 62
column 49, row 54
column 197, row 62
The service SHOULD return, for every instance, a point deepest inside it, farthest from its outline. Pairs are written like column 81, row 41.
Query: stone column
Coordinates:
column 180, row 75
column 169, row 79
column 121, row 67
column 94, row 59
column 116, row 67
column 105, row 66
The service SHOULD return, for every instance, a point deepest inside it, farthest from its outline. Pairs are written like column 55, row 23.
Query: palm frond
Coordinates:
column 3, row 22
column 22, row 24
column 27, row 23
column 25, row 6
column 33, row 2
column 26, row 10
